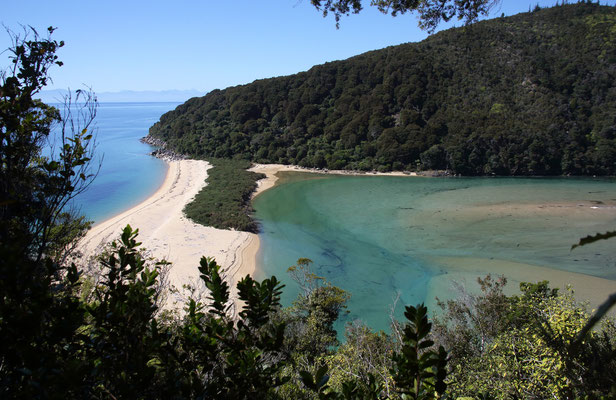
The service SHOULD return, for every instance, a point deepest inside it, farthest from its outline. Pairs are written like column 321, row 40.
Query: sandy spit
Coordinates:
column 167, row 234
column 270, row 171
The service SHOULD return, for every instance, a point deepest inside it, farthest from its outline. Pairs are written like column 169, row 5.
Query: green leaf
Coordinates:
column 591, row 239
column 308, row 380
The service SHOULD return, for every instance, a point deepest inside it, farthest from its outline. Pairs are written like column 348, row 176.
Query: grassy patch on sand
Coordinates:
column 225, row 202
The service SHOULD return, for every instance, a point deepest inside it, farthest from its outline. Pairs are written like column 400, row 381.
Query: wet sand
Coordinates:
column 466, row 270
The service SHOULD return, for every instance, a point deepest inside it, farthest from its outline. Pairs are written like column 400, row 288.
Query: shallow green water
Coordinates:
column 377, row 237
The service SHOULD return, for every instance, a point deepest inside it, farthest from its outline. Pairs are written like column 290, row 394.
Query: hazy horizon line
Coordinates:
column 127, row 96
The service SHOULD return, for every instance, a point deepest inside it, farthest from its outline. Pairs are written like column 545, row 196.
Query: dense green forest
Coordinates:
column 531, row 94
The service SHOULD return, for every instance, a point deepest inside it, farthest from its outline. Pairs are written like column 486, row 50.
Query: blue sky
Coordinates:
column 203, row 45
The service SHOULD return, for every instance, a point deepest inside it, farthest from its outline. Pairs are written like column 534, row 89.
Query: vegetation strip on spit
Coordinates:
column 224, row 202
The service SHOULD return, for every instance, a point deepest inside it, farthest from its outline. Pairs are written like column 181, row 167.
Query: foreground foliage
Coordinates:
column 64, row 335
column 113, row 342
column 38, row 310
column 509, row 96
column 521, row 346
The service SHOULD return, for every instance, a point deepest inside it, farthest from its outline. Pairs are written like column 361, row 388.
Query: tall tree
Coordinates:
column 37, row 310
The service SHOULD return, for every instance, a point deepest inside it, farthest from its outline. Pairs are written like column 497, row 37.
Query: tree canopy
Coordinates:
column 431, row 12
column 38, row 312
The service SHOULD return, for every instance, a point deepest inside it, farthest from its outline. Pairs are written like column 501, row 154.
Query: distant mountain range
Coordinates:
column 531, row 94
column 127, row 96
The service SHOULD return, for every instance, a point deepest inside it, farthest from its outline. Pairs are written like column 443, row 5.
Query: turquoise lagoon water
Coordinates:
column 380, row 237
column 128, row 173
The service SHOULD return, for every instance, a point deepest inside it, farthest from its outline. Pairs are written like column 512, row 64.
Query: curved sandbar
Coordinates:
column 166, row 233
column 270, row 171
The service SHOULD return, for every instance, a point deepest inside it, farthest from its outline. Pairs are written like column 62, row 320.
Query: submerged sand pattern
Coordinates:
column 379, row 237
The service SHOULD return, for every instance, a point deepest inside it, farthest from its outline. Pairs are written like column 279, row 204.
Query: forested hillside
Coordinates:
column 531, row 94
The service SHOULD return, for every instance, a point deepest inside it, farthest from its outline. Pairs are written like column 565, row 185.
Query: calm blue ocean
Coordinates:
column 128, row 173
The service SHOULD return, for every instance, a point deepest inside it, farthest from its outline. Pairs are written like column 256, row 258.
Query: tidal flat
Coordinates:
column 383, row 237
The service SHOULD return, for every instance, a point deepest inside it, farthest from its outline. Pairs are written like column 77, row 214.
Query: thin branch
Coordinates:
column 592, row 321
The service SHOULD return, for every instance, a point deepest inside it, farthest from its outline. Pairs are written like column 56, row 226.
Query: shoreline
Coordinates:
column 142, row 201
column 165, row 233
column 270, row 171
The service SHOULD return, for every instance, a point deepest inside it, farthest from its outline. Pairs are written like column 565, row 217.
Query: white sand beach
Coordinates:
column 167, row 234
column 270, row 171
